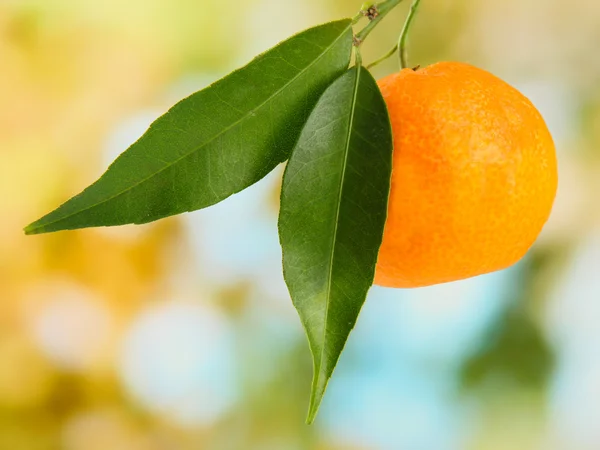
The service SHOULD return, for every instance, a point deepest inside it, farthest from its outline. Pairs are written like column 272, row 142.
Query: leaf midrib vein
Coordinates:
column 193, row 151
column 337, row 215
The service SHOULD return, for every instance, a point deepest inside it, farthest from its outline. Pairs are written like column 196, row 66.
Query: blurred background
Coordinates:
column 181, row 335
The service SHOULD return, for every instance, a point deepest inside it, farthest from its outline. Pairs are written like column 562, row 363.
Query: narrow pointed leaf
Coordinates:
column 333, row 210
column 217, row 141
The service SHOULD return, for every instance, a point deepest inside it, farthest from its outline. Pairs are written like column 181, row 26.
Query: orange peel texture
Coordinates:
column 474, row 175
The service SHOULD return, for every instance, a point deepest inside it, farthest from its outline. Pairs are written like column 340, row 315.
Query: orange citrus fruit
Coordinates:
column 474, row 175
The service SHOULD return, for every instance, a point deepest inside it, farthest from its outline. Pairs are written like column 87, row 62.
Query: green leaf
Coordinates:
column 216, row 142
column 333, row 211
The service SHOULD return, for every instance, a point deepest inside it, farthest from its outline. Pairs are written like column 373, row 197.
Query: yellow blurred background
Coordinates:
column 181, row 335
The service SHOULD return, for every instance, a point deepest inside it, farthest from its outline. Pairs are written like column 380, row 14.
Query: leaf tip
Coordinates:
column 313, row 409
column 32, row 229
column 316, row 396
column 37, row 227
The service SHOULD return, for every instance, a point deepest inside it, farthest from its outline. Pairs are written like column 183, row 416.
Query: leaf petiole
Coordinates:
column 391, row 52
column 357, row 57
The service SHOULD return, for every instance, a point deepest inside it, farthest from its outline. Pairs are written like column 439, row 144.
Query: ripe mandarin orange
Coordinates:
column 474, row 175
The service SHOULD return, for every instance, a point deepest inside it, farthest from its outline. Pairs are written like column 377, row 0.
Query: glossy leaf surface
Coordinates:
column 333, row 210
column 217, row 141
